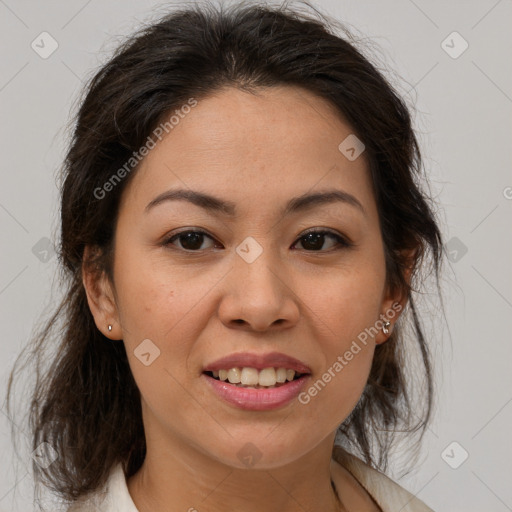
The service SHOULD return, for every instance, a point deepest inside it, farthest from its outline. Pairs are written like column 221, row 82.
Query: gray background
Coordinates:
column 463, row 116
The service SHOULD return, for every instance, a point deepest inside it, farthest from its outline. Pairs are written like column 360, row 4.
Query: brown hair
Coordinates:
column 85, row 402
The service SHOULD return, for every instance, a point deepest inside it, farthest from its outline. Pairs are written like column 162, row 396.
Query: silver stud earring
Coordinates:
column 109, row 327
column 385, row 328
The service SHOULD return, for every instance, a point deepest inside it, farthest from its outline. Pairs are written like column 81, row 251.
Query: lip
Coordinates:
column 252, row 399
column 258, row 361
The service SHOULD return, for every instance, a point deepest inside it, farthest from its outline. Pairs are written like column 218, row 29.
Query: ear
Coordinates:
column 394, row 304
column 100, row 296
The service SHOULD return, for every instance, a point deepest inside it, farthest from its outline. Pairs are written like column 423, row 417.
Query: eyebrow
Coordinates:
column 218, row 206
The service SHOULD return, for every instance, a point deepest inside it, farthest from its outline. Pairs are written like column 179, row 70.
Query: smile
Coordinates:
column 257, row 382
column 252, row 377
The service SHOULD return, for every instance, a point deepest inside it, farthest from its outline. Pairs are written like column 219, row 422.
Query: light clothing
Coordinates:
column 391, row 497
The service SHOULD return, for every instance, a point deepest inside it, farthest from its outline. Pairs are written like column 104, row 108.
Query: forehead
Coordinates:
column 263, row 147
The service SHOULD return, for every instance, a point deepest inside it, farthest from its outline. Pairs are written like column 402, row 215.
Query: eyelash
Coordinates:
column 343, row 242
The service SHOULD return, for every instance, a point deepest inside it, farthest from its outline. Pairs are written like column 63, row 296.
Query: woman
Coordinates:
column 242, row 234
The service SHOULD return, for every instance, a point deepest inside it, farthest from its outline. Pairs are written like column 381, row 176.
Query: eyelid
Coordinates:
column 167, row 239
column 325, row 230
column 343, row 241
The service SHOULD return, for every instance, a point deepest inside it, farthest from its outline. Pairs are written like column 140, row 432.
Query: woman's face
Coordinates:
column 250, row 281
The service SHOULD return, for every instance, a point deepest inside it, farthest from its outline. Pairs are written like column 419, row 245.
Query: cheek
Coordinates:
column 348, row 303
column 152, row 298
column 348, row 382
column 149, row 306
column 338, row 386
column 155, row 318
column 346, row 310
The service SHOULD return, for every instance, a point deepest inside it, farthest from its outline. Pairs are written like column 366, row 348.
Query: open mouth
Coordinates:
column 252, row 378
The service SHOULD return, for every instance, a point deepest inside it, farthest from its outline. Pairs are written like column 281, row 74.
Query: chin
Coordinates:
column 262, row 451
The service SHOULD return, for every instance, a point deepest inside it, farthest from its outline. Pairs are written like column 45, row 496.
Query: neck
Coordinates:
column 183, row 479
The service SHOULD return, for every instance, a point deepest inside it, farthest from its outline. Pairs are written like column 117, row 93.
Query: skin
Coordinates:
column 257, row 151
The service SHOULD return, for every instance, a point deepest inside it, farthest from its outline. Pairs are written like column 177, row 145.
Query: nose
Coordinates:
column 259, row 296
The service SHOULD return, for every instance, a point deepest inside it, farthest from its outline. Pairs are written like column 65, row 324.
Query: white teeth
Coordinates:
column 268, row 377
column 249, row 376
column 234, row 375
column 281, row 375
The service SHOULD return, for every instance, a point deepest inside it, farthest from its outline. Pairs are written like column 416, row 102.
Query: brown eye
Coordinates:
column 314, row 240
column 191, row 240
